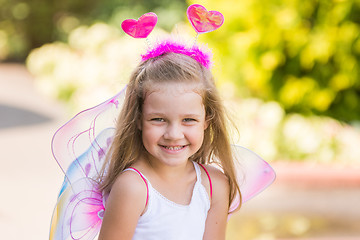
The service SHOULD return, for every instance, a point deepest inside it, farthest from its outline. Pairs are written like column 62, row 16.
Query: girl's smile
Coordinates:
column 173, row 149
column 173, row 123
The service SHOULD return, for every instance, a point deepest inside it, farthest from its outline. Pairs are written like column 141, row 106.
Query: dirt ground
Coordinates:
column 30, row 178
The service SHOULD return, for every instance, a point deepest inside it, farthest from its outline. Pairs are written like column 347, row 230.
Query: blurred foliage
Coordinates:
column 305, row 54
column 25, row 25
column 96, row 61
column 265, row 128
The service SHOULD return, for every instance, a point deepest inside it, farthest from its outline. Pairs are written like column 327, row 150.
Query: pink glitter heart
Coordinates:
column 140, row 28
column 202, row 20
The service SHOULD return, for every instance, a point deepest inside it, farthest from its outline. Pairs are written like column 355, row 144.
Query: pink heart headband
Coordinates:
column 140, row 28
column 202, row 57
column 203, row 21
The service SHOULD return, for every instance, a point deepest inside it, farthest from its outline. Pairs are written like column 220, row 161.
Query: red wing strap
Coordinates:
column 207, row 173
column 147, row 187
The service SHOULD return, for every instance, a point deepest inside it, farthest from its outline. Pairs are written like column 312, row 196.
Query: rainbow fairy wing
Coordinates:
column 79, row 148
column 73, row 139
column 78, row 215
column 80, row 207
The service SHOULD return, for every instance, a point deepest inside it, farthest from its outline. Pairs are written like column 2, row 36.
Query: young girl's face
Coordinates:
column 173, row 123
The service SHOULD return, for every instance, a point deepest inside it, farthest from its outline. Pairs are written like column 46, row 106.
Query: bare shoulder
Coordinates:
column 124, row 205
column 220, row 182
column 129, row 184
column 215, row 226
column 216, row 173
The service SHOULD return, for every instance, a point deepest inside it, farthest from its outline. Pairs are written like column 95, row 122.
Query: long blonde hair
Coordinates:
column 127, row 144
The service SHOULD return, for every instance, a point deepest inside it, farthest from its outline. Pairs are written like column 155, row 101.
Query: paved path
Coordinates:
column 30, row 178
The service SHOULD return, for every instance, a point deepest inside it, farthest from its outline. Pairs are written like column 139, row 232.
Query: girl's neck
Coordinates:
column 166, row 172
column 175, row 183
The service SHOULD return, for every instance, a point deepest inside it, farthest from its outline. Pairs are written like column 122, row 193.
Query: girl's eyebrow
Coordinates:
column 192, row 115
column 188, row 115
column 154, row 113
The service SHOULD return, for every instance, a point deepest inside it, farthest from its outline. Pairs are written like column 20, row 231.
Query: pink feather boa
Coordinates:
column 204, row 58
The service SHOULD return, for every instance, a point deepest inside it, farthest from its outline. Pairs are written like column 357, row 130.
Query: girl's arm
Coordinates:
column 215, row 226
column 124, row 206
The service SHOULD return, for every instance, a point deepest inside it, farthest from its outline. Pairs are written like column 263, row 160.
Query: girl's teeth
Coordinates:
column 173, row 148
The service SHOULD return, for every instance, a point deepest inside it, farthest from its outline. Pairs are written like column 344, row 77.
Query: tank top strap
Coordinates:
column 208, row 175
column 143, row 178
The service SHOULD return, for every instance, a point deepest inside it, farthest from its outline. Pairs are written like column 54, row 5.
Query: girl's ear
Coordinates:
column 206, row 124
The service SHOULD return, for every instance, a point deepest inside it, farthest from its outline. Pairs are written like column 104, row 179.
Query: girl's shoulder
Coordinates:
column 215, row 171
column 130, row 182
column 124, row 205
column 129, row 187
column 215, row 181
column 216, row 175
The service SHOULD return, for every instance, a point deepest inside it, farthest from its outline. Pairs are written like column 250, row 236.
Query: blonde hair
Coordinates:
column 127, row 144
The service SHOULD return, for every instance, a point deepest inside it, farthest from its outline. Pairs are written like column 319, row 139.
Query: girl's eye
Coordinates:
column 189, row 120
column 158, row 120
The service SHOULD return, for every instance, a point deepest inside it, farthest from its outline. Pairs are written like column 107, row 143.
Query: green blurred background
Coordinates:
column 288, row 70
column 302, row 54
column 290, row 67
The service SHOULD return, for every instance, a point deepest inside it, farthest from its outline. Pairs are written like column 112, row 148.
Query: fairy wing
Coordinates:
column 80, row 147
column 75, row 137
column 253, row 174
column 80, row 207
column 78, row 213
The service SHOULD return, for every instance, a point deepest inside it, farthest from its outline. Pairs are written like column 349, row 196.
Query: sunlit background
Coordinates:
column 288, row 71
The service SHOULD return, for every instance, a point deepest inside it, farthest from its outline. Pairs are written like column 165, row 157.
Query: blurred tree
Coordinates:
column 25, row 25
column 304, row 54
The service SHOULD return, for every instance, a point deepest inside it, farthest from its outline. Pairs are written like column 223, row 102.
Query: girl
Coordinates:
column 156, row 181
column 171, row 123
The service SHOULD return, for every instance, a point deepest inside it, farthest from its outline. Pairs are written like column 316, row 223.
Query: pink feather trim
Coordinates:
column 204, row 58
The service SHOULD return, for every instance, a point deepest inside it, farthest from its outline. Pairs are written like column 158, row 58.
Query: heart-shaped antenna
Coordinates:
column 202, row 20
column 140, row 28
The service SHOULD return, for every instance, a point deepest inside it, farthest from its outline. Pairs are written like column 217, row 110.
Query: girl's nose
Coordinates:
column 173, row 132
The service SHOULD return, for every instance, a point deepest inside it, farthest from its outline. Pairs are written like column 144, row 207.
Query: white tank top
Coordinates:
column 167, row 220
